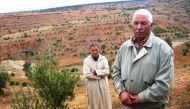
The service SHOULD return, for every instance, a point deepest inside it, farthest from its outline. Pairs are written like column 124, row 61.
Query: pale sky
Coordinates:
column 21, row 5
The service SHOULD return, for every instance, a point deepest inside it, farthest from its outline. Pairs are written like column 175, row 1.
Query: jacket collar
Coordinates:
column 100, row 57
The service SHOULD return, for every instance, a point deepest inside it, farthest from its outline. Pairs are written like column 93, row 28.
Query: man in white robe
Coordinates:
column 95, row 70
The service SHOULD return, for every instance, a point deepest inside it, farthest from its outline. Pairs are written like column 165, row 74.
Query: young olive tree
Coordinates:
column 54, row 87
column 3, row 78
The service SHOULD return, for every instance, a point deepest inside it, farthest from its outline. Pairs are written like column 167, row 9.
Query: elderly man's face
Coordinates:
column 141, row 27
column 94, row 51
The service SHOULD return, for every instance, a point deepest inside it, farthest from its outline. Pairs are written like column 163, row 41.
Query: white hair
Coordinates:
column 143, row 12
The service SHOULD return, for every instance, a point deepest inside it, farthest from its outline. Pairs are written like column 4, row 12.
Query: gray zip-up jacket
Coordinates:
column 148, row 73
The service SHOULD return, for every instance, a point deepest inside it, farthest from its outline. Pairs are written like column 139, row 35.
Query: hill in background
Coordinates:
column 72, row 29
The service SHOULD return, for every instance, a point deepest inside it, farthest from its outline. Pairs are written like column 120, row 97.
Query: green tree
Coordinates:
column 26, row 67
column 50, row 87
column 54, row 86
column 158, row 30
column 185, row 52
column 187, row 44
column 103, row 47
column 111, row 69
column 3, row 78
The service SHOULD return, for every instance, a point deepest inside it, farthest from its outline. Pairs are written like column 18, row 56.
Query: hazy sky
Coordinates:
column 20, row 5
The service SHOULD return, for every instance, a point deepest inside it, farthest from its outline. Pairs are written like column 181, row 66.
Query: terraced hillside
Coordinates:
column 70, row 31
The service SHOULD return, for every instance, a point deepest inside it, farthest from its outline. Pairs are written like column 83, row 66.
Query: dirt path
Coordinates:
column 178, row 43
column 16, row 35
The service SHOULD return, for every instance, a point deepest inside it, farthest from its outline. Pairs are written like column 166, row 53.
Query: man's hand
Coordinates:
column 94, row 72
column 134, row 99
column 125, row 98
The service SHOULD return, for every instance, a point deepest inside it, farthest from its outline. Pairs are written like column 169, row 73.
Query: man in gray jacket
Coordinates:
column 144, row 67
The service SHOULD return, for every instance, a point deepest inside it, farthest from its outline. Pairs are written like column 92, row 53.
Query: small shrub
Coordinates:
column 39, row 40
column 103, row 47
column 51, row 87
column 103, row 52
column 3, row 78
column 12, row 74
column 110, row 68
column 29, row 53
column 12, row 83
column 111, row 52
column 24, row 84
column 27, row 99
column 26, row 67
column 158, row 30
column 82, row 54
column 25, row 35
column 74, row 69
column 17, row 83
column 187, row 44
column 185, row 52
column 6, row 38
column 118, row 33
column 46, row 74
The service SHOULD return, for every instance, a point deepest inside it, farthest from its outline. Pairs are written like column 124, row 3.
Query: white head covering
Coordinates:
column 143, row 12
